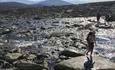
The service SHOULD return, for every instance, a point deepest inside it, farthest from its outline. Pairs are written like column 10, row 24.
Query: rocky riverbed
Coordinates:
column 30, row 44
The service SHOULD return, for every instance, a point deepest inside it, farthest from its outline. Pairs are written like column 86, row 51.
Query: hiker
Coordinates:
column 90, row 41
column 98, row 17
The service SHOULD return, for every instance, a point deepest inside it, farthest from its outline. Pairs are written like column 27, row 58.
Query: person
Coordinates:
column 98, row 17
column 91, row 40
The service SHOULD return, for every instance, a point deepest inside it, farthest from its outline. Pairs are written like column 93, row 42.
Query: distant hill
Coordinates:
column 53, row 3
column 8, row 5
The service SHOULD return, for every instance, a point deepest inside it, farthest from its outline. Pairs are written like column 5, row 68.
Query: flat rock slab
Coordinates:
column 80, row 63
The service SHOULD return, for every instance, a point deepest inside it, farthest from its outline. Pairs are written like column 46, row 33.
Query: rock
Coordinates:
column 6, row 65
column 57, row 34
column 2, row 54
column 90, row 20
column 77, row 25
column 5, row 31
column 67, row 22
column 70, row 53
column 31, row 57
column 113, row 59
column 60, row 49
column 15, row 50
column 42, row 56
column 74, row 39
column 11, row 57
column 63, row 57
column 105, row 27
column 37, row 18
column 79, row 63
column 30, row 66
column 69, row 34
column 1, row 62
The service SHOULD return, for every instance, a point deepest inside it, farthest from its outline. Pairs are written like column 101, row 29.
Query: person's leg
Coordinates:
column 91, row 52
column 87, row 52
column 92, row 46
column 88, row 49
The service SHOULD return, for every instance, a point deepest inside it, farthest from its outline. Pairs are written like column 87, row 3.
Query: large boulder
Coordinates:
column 80, row 63
column 71, row 53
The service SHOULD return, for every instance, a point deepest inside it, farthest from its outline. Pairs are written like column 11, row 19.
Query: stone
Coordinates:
column 11, row 57
column 5, row 31
column 30, row 66
column 78, row 63
column 31, row 57
column 70, row 53
column 6, row 65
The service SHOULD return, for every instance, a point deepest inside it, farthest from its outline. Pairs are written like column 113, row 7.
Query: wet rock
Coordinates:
column 70, row 53
column 78, row 64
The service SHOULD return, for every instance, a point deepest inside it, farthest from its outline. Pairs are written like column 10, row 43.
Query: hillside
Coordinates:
column 8, row 5
column 89, row 9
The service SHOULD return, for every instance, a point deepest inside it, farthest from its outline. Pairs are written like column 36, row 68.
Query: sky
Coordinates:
column 36, row 1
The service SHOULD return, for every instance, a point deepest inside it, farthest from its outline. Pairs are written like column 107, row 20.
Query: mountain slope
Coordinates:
column 53, row 2
column 12, row 5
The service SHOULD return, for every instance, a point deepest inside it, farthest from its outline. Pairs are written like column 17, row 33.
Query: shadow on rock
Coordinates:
column 88, row 65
